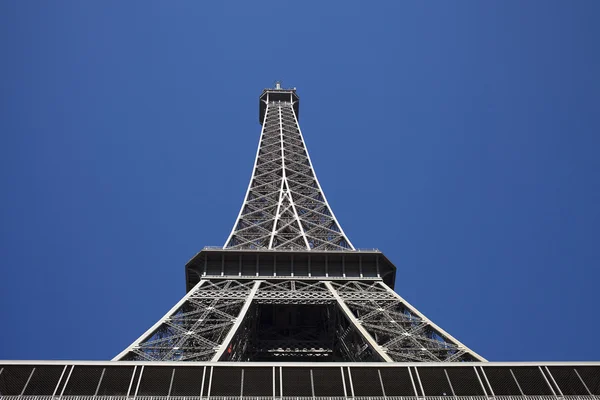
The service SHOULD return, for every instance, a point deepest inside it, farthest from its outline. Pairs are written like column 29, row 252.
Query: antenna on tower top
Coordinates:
column 278, row 85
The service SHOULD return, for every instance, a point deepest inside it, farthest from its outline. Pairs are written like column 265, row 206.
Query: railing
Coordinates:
column 296, row 398
column 76, row 380
column 369, row 250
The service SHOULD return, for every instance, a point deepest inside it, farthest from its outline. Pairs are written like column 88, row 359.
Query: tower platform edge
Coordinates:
column 216, row 262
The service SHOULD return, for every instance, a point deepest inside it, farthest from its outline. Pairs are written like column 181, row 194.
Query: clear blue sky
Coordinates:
column 459, row 137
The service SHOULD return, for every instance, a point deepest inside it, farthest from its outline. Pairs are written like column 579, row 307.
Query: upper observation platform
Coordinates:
column 277, row 94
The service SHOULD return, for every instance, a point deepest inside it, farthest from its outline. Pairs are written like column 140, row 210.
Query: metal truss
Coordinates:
column 260, row 308
column 285, row 207
column 294, row 292
column 195, row 329
column 269, row 320
column 402, row 332
column 295, row 327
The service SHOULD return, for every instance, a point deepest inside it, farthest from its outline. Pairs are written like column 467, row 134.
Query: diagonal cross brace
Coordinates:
column 238, row 322
column 154, row 327
column 356, row 323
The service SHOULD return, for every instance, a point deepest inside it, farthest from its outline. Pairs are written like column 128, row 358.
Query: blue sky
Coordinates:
column 460, row 138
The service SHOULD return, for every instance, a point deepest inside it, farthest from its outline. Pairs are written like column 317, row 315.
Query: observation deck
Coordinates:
column 216, row 262
column 277, row 94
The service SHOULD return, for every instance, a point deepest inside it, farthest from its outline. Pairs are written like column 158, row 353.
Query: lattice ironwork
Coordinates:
column 294, row 292
column 194, row 330
column 285, row 207
column 399, row 329
column 262, row 320
column 256, row 306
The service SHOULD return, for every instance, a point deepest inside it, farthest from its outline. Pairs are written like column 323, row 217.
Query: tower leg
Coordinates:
column 194, row 329
column 357, row 325
column 237, row 323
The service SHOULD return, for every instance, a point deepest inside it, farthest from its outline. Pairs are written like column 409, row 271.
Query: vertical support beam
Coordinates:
column 357, row 325
column 419, row 381
column 99, row 382
column 154, row 327
column 516, row 381
column 59, row 380
column 351, row 383
column 360, row 271
column 344, row 381
column 412, row 380
column 560, row 393
column 27, row 383
column 449, row 382
column 381, row 382
column 137, row 387
column 242, row 385
column 547, row 381
column 274, row 391
column 209, row 382
column 203, row 378
column 130, row 382
column 285, row 181
column 317, row 181
column 582, row 381
column 480, row 381
column 280, row 382
column 69, row 377
column 171, row 384
column 487, row 381
column 281, row 188
column 262, row 135
column 238, row 322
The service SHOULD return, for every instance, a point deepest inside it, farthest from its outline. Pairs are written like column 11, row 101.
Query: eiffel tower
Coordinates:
column 288, row 285
column 289, row 309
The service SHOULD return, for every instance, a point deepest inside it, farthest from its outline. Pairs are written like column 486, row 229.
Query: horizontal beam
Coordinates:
column 304, row 364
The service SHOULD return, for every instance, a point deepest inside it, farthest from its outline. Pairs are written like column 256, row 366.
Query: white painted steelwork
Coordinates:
column 338, row 307
column 397, row 328
column 195, row 327
column 158, row 323
column 356, row 323
column 238, row 322
column 285, row 207
column 209, row 318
